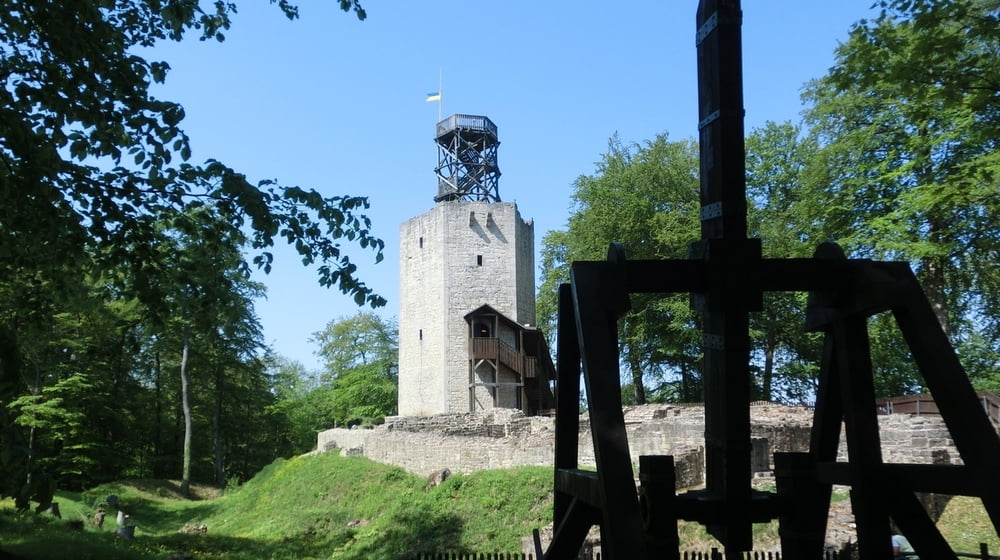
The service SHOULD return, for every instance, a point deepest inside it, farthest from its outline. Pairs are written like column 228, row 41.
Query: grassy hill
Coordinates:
column 321, row 506
column 344, row 508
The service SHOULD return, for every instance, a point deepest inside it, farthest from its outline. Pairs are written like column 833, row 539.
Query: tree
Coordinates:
column 205, row 296
column 908, row 120
column 646, row 198
column 302, row 404
column 88, row 159
column 94, row 395
column 360, row 354
column 247, row 434
column 68, row 407
column 87, row 150
column 778, row 164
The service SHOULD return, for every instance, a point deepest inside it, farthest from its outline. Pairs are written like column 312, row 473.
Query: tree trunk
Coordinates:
column 35, row 390
column 220, row 475
column 637, row 385
column 30, row 457
column 685, row 383
column 768, row 374
column 186, row 407
column 158, row 416
column 937, row 233
column 935, row 290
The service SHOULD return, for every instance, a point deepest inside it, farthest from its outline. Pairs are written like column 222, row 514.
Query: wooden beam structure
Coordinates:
column 726, row 277
column 844, row 293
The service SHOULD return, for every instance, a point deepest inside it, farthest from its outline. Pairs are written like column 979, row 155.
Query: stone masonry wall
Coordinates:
column 505, row 438
column 460, row 442
column 453, row 259
column 913, row 439
column 422, row 325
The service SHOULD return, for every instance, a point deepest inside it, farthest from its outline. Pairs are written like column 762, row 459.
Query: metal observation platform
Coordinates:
column 467, row 159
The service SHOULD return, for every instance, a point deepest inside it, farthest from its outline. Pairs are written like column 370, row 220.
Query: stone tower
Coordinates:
column 470, row 252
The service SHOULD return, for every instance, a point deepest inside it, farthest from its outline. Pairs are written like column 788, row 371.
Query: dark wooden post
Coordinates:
column 567, row 397
column 726, row 275
column 729, row 296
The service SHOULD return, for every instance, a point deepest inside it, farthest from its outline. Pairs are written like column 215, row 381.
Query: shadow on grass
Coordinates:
column 157, row 510
column 159, row 518
column 408, row 534
column 399, row 536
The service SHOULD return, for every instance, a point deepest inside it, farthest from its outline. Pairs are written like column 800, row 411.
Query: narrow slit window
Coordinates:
column 421, row 334
column 479, row 260
column 421, row 242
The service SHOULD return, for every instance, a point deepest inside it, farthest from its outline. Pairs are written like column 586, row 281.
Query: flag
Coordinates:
column 436, row 96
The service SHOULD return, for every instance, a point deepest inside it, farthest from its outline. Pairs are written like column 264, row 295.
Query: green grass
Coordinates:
column 965, row 524
column 344, row 508
column 312, row 507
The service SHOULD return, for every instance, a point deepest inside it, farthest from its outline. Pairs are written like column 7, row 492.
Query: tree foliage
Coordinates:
column 115, row 247
column 94, row 393
column 908, row 120
column 87, row 153
column 804, row 187
column 644, row 196
column 778, row 162
column 361, row 367
column 302, row 403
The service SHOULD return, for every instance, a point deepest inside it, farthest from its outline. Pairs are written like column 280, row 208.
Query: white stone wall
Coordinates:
column 422, row 333
column 503, row 439
column 424, row 452
column 453, row 259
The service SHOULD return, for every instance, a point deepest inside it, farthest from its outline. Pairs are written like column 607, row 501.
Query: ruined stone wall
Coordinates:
column 505, row 438
column 459, row 442
column 913, row 439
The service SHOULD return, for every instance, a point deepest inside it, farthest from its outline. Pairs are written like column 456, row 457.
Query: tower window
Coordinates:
column 421, row 242
column 479, row 260
column 421, row 334
column 482, row 330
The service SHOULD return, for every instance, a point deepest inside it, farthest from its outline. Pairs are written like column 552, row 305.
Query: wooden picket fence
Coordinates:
column 714, row 554
column 596, row 555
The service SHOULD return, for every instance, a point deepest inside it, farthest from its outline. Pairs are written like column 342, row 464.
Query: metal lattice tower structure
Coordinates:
column 467, row 159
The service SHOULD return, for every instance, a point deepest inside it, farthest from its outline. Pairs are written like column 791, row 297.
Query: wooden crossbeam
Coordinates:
column 589, row 309
column 969, row 426
column 727, row 277
column 843, row 294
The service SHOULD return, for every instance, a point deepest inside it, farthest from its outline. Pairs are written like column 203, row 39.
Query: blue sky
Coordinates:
column 336, row 104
